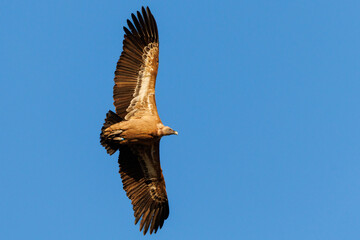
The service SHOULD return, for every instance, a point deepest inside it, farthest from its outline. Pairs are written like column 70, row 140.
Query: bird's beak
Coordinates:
column 176, row 133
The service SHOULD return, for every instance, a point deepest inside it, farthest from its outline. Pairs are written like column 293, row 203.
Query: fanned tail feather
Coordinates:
column 110, row 145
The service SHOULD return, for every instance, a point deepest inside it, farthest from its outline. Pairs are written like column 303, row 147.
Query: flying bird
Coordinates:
column 136, row 129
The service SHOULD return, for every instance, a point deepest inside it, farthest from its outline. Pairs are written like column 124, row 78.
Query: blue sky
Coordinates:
column 264, row 95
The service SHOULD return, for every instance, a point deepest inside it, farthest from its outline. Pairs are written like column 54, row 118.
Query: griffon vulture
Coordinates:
column 136, row 129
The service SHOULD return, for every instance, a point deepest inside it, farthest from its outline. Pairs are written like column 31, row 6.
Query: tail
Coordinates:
column 110, row 146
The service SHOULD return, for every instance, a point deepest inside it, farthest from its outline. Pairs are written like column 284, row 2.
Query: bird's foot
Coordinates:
column 119, row 139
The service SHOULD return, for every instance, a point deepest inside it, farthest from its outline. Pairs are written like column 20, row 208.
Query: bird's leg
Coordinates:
column 115, row 135
column 115, row 132
column 119, row 139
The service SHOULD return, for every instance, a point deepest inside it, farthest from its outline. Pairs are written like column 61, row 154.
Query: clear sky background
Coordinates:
column 265, row 96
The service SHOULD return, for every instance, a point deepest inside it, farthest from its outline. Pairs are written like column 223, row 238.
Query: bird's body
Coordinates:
column 136, row 129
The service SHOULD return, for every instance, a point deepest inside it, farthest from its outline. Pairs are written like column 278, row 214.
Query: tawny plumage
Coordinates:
column 136, row 129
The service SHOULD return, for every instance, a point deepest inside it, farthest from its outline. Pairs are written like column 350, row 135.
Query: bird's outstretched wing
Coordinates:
column 144, row 184
column 135, row 75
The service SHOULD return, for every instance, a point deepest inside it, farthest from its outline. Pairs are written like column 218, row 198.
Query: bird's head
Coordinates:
column 165, row 130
